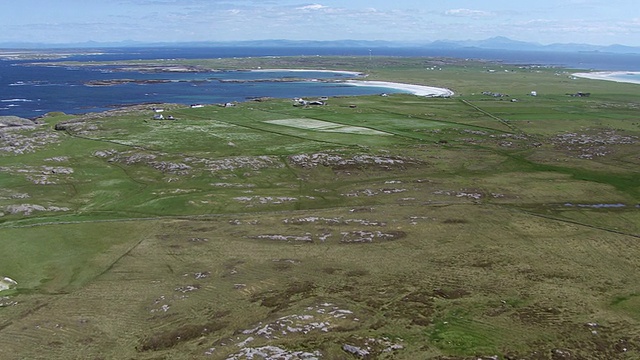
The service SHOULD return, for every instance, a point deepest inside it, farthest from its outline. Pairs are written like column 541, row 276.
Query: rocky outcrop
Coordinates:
column 28, row 209
column 339, row 161
column 125, row 81
column 14, row 121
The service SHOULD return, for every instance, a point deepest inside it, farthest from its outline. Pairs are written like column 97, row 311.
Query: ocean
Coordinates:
column 31, row 91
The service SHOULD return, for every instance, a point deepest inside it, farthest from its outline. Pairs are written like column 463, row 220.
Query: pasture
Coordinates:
column 397, row 227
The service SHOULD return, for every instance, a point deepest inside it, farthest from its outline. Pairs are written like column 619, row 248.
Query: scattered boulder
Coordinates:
column 22, row 142
column 7, row 283
column 355, row 350
column 560, row 354
column 274, row 353
column 359, row 236
column 285, row 238
column 6, row 301
column 369, row 348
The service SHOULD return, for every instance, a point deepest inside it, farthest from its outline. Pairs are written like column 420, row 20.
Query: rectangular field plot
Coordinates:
column 325, row 126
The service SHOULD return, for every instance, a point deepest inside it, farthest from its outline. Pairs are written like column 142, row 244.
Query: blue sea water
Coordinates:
column 31, row 91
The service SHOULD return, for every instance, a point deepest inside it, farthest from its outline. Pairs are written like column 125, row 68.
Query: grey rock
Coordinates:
column 6, row 121
column 355, row 350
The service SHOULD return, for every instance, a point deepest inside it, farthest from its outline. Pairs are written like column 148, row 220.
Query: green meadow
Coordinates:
column 395, row 227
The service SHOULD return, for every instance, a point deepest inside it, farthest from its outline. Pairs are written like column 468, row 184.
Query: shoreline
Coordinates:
column 418, row 90
column 609, row 76
column 345, row 72
column 348, row 78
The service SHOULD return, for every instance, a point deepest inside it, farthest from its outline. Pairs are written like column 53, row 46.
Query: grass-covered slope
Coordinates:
column 372, row 227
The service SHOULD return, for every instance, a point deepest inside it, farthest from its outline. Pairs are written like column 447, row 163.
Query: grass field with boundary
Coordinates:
column 407, row 227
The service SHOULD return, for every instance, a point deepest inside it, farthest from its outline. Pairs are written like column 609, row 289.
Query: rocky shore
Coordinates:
column 124, row 81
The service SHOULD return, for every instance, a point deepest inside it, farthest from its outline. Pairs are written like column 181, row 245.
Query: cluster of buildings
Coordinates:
column 302, row 102
column 158, row 114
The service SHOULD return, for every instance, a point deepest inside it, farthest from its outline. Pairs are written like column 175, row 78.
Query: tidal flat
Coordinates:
column 368, row 227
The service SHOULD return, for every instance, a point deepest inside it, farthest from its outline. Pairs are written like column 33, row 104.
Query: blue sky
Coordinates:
column 543, row 21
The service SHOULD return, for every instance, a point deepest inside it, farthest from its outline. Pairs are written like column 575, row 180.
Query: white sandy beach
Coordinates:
column 419, row 90
column 610, row 76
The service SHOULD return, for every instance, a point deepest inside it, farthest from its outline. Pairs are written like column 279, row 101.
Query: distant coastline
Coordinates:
column 30, row 91
column 617, row 76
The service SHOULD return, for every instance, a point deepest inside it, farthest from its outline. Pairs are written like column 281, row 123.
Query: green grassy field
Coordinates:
column 397, row 227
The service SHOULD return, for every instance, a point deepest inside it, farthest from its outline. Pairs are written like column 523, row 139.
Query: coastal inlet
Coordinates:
column 35, row 89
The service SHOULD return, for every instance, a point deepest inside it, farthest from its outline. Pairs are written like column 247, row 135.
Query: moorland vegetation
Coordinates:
column 395, row 227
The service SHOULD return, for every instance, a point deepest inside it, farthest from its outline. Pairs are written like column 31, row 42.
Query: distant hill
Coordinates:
column 498, row 43
column 504, row 43
column 494, row 43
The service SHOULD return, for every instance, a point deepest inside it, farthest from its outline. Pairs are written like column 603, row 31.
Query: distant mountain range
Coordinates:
column 494, row 43
column 504, row 43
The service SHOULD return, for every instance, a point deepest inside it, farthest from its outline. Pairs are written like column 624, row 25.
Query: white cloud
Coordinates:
column 201, row 20
column 467, row 13
column 312, row 7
